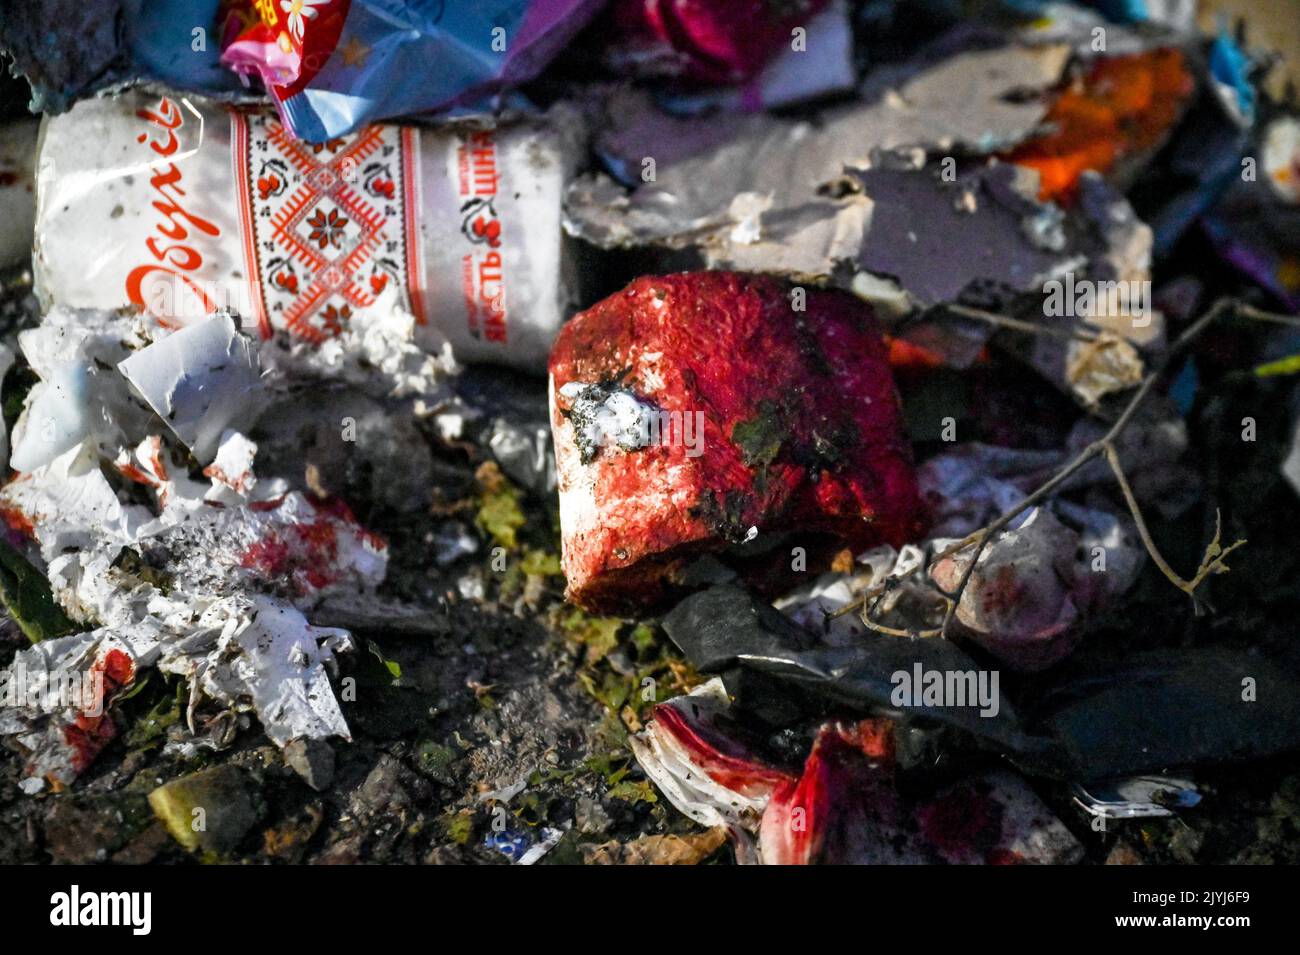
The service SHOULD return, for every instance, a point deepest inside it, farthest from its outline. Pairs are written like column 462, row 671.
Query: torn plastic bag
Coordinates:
column 208, row 580
column 1061, row 726
column 1028, row 601
column 1036, row 584
column 331, row 66
column 206, row 590
column 180, row 207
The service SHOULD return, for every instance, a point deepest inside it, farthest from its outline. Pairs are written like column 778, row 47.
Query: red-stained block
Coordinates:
column 697, row 411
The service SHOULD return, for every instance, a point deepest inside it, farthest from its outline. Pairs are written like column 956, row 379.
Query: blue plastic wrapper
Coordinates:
column 334, row 65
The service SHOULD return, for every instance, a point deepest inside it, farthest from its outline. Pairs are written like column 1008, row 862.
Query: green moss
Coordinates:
column 27, row 597
column 458, row 825
column 500, row 514
column 634, row 792
column 760, row 437
column 599, row 635
column 436, row 761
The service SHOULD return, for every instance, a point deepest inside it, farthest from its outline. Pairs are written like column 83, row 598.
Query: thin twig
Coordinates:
column 1215, row 552
column 980, row 538
column 1020, row 325
column 1258, row 315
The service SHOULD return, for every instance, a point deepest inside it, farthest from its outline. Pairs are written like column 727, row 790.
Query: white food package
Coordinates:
column 179, row 207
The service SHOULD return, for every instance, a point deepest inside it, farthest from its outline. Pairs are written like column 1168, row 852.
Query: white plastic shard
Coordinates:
column 270, row 655
column 199, row 380
column 1136, row 797
column 233, row 464
column 72, row 506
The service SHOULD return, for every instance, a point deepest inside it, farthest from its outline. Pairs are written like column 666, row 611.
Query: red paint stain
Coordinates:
column 93, row 728
column 305, row 555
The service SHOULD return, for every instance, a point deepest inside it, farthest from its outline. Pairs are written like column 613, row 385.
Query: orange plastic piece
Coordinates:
column 1124, row 104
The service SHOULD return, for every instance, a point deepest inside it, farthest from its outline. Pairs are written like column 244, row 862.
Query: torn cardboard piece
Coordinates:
column 677, row 164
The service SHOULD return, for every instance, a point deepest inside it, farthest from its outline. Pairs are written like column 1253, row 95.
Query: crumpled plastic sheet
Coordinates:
column 1036, row 583
column 332, row 66
column 1062, row 725
column 208, row 622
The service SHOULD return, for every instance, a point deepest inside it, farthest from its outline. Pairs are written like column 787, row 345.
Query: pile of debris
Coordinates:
column 872, row 431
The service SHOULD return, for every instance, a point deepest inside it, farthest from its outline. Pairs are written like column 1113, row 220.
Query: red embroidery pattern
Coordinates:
column 326, row 225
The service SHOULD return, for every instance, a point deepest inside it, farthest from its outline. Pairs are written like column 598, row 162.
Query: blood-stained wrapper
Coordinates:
column 180, row 208
column 701, row 410
column 844, row 807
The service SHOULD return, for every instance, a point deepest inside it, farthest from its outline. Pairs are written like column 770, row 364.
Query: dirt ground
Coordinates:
column 496, row 716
